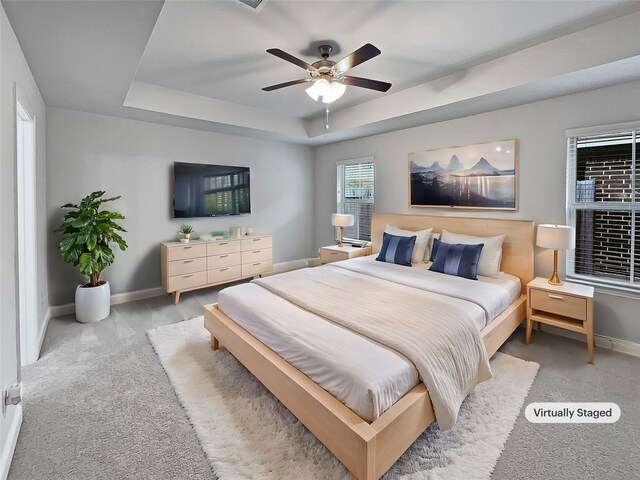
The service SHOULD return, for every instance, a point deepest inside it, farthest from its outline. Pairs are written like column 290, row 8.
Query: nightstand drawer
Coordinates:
column 328, row 256
column 558, row 303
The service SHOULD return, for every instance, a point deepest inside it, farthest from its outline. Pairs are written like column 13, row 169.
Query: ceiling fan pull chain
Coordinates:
column 326, row 122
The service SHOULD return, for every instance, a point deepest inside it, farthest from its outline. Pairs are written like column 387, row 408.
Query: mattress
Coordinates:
column 363, row 374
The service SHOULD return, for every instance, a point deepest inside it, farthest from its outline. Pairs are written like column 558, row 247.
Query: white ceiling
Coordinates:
column 202, row 64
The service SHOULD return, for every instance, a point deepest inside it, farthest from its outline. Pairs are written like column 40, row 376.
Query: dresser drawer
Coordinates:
column 190, row 265
column 558, row 303
column 328, row 256
column 226, row 260
column 256, row 243
column 226, row 274
column 186, row 251
column 189, row 280
column 256, row 268
column 220, row 248
column 257, row 255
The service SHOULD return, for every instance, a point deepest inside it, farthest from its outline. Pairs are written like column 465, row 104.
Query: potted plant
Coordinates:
column 88, row 233
column 185, row 233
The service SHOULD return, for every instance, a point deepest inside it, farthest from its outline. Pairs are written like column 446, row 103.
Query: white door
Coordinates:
column 26, row 196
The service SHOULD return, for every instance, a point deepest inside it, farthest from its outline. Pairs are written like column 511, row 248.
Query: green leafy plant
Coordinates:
column 88, row 233
column 185, row 229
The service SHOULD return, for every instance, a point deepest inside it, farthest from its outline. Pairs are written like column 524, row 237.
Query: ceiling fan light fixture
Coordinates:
column 320, row 88
column 336, row 90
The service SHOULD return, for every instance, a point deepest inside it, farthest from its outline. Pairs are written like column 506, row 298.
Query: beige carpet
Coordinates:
column 246, row 433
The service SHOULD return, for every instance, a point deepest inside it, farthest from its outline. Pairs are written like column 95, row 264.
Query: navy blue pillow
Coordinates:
column 396, row 249
column 456, row 259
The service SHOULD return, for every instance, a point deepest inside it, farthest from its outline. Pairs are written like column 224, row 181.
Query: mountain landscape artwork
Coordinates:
column 473, row 176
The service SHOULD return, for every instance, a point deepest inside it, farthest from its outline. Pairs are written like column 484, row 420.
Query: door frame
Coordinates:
column 26, row 232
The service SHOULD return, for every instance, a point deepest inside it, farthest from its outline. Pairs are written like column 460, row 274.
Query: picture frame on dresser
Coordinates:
column 202, row 264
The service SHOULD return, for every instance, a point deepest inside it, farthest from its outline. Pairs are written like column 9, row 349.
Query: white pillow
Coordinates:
column 422, row 240
column 491, row 255
column 427, row 253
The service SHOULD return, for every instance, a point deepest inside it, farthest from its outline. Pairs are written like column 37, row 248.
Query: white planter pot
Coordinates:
column 93, row 303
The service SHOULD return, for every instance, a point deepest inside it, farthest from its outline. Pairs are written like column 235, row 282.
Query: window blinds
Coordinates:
column 355, row 196
column 602, row 205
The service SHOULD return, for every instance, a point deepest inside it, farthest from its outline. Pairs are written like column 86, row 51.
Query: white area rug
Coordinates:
column 247, row 434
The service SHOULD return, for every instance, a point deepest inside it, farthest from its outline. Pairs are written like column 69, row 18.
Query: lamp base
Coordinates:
column 555, row 278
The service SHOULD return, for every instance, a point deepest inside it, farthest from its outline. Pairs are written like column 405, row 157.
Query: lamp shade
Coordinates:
column 556, row 237
column 341, row 220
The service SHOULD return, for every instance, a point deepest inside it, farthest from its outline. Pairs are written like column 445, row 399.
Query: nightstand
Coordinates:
column 334, row 253
column 568, row 306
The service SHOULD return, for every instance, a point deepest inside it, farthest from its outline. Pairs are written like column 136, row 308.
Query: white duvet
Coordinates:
column 362, row 373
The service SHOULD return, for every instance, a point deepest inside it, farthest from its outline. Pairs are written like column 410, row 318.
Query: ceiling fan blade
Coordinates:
column 286, row 84
column 367, row 83
column 290, row 58
column 364, row 53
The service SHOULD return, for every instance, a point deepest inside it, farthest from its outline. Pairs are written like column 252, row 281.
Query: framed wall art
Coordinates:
column 472, row 176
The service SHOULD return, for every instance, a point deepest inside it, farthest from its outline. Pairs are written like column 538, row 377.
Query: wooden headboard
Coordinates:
column 517, row 249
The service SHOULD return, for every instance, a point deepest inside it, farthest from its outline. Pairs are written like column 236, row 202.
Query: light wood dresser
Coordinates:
column 568, row 306
column 334, row 253
column 199, row 264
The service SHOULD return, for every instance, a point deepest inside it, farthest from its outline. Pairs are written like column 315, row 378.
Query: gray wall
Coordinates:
column 540, row 131
column 15, row 74
column 88, row 152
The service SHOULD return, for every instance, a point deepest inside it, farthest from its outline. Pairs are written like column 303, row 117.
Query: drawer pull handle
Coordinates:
column 224, row 269
column 225, row 243
column 557, row 297
column 187, row 276
column 188, row 261
column 256, row 264
column 224, row 256
column 186, row 248
column 257, row 239
column 256, row 251
column 333, row 253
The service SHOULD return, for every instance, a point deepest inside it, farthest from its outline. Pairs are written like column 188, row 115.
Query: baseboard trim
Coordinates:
column 610, row 343
column 43, row 330
column 116, row 298
column 10, row 446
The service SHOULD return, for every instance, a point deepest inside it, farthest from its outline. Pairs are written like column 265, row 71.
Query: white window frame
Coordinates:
column 340, row 194
column 625, row 288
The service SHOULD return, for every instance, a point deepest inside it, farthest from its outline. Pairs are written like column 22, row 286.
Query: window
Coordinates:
column 355, row 189
column 604, row 207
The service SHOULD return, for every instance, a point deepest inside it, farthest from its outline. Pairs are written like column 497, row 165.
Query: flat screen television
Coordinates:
column 201, row 190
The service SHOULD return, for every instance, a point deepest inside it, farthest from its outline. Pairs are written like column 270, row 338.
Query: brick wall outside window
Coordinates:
column 603, row 236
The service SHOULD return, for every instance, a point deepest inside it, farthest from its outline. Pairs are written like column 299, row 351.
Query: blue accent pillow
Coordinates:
column 396, row 249
column 456, row 259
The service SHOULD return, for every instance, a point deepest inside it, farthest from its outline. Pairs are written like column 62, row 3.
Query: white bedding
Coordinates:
column 363, row 374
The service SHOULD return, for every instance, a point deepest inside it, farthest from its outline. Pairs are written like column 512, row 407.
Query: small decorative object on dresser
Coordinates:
column 569, row 306
column 204, row 264
column 341, row 220
column 335, row 253
column 185, row 233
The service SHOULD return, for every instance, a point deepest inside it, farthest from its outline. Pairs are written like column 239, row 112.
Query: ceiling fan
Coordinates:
column 328, row 77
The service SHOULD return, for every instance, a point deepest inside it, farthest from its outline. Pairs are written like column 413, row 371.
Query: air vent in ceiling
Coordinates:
column 254, row 4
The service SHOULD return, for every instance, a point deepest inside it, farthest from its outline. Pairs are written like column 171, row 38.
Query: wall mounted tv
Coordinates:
column 201, row 190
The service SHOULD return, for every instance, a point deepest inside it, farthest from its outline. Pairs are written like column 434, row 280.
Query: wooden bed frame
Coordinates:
column 369, row 449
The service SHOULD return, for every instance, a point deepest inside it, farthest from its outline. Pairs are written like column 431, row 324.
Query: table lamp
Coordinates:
column 341, row 220
column 557, row 237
